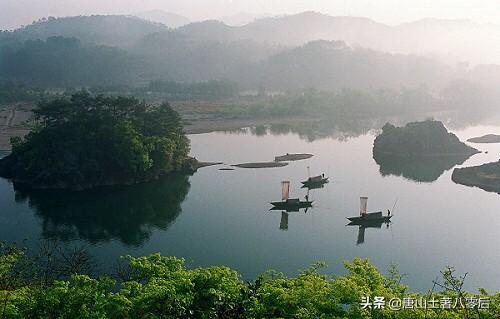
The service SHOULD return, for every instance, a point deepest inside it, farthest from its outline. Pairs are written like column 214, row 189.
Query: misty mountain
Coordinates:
column 66, row 62
column 268, row 52
column 451, row 40
column 304, row 27
column 114, row 30
column 336, row 65
column 169, row 19
column 240, row 19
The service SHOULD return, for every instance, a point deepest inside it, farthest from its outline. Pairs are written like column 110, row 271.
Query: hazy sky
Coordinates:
column 14, row 13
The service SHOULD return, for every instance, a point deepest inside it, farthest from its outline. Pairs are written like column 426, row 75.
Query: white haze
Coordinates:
column 14, row 13
column 454, row 31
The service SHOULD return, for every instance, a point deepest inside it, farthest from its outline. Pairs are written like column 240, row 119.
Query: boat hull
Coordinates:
column 292, row 204
column 370, row 218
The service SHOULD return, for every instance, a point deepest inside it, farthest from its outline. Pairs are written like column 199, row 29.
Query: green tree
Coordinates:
column 86, row 140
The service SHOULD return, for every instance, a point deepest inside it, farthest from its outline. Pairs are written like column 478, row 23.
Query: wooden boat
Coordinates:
column 369, row 219
column 287, row 203
column 315, row 181
column 366, row 218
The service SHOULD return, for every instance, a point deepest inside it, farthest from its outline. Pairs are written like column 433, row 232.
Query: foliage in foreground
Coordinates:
column 86, row 140
column 162, row 287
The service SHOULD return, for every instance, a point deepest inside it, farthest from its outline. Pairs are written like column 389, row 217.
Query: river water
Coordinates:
column 220, row 217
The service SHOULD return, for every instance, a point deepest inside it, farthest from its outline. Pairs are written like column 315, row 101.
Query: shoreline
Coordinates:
column 193, row 127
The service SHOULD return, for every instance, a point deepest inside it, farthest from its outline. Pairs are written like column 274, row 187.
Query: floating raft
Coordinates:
column 261, row 165
column 292, row 157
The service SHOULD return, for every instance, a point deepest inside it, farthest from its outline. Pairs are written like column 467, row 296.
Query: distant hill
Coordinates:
column 240, row 19
column 65, row 62
column 169, row 19
column 336, row 65
column 307, row 50
column 309, row 26
column 452, row 41
column 116, row 30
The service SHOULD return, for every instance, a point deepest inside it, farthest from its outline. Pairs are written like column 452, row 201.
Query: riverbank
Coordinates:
column 197, row 120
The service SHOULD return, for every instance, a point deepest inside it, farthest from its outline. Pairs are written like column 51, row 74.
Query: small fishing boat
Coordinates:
column 315, row 181
column 365, row 218
column 287, row 203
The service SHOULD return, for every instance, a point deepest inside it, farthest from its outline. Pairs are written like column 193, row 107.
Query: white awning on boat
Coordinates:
column 285, row 190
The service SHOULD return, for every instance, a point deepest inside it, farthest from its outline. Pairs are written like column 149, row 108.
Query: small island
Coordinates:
column 87, row 141
column 420, row 139
column 486, row 176
column 486, row 139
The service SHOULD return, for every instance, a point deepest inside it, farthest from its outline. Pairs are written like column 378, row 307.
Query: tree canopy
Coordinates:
column 156, row 286
column 85, row 140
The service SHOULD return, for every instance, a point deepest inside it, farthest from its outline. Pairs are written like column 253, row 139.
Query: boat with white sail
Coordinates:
column 287, row 203
column 368, row 218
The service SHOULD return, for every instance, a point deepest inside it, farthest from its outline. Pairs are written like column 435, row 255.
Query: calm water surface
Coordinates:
column 222, row 217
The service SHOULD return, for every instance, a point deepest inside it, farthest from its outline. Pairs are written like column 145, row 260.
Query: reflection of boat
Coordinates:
column 361, row 229
column 287, row 203
column 284, row 221
column 369, row 218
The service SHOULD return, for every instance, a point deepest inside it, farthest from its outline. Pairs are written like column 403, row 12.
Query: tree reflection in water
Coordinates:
column 125, row 213
column 421, row 169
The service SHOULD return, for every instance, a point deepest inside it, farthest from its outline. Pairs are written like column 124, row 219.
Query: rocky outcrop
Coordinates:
column 420, row 139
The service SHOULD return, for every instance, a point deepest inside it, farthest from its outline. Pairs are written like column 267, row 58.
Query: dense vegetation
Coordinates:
column 57, row 284
column 85, row 140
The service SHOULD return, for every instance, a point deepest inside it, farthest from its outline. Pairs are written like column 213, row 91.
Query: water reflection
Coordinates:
column 284, row 221
column 286, row 213
column 311, row 130
column 362, row 227
column 422, row 169
column 128, row 214
column 346, row 127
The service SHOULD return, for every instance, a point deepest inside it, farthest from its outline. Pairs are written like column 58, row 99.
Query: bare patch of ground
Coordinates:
column 13, row 122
